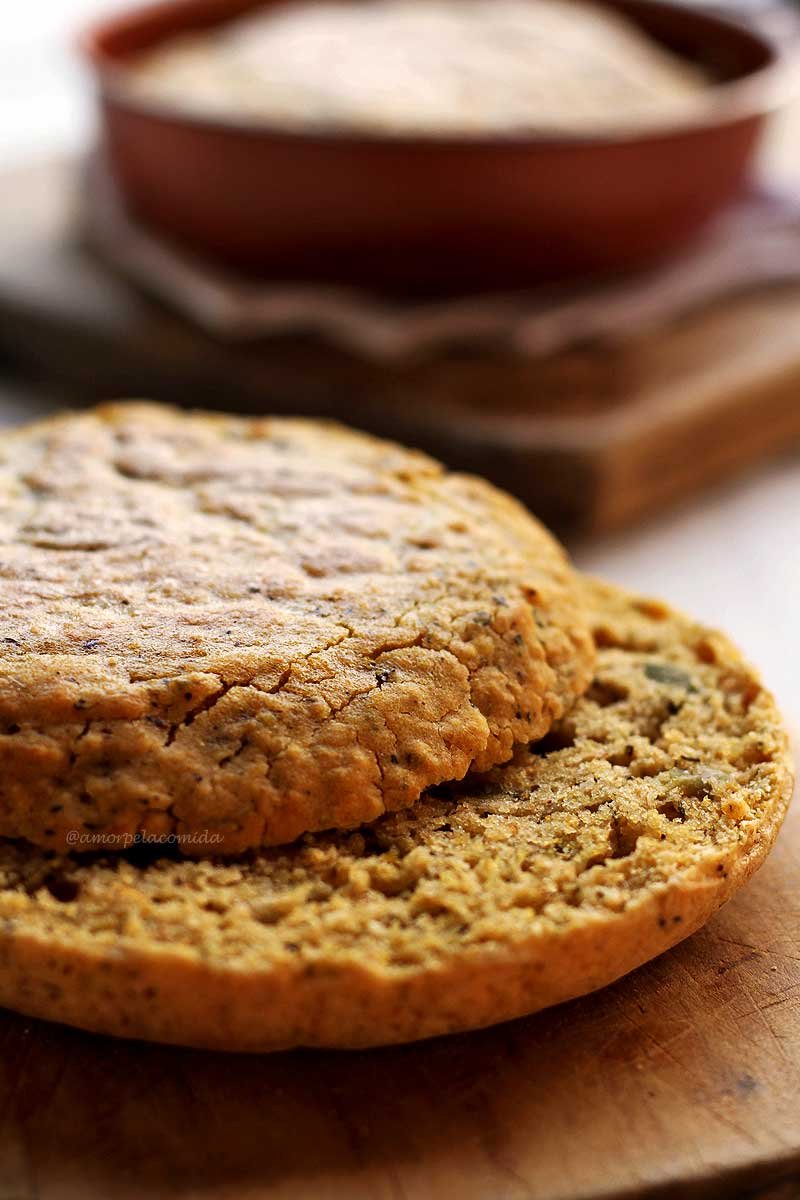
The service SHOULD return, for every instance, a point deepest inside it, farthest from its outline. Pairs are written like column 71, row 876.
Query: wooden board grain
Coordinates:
column 590, row 438
column 681, row 1081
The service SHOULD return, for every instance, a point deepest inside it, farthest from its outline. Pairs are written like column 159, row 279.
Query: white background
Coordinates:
column 43, row 94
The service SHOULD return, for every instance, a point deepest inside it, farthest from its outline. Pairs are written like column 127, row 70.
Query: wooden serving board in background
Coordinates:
column 680, row 1082
column 590, row 438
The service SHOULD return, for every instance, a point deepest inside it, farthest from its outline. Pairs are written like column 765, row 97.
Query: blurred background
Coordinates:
column 650, row 415
column 44, row 95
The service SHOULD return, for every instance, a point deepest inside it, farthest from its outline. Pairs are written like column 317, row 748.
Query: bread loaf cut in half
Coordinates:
column 236, row 631
column 597, row 848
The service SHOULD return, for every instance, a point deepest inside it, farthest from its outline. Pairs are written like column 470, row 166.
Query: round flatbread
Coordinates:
column 239, row 630
column 621, row 833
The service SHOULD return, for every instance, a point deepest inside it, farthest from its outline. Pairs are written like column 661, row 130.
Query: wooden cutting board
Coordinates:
column 589, row 438
column 681, row 1081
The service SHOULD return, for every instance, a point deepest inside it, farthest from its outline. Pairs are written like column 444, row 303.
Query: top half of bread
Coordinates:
column 261, row 627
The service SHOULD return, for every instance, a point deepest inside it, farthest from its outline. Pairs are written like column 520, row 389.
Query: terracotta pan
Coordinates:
column 438, row 213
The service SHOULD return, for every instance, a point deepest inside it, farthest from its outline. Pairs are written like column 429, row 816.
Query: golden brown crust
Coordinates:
column 238, row 630
column 654, row 799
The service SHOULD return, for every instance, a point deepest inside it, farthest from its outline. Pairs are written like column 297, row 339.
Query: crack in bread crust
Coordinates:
column 253, row 628
column 597, row 848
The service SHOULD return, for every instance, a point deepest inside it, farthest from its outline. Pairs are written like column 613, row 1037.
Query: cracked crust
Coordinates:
column 234, row 631
column 620, row 834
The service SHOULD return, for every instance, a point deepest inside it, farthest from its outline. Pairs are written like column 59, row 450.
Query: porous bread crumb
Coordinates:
column 598, row 847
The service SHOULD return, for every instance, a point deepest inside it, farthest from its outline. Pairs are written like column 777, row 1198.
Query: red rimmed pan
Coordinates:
column 444, row 213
